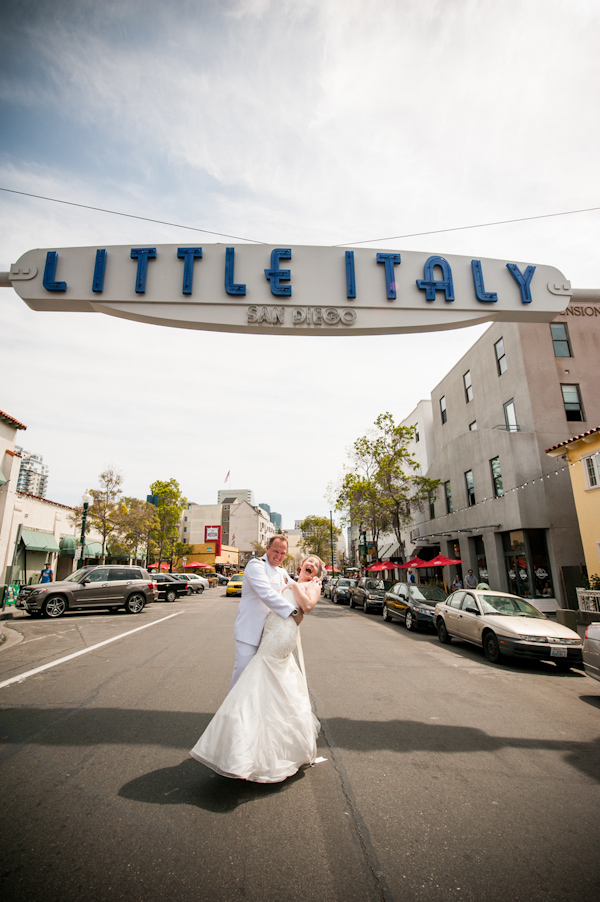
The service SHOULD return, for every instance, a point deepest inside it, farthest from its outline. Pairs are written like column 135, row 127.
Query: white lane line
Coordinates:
column 84, row 651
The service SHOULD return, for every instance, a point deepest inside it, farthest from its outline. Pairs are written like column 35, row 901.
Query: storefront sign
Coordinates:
column 289, row 290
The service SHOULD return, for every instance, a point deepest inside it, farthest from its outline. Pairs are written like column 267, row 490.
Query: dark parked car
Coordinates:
column 169, row 587
column 341, row 591
column 506, row 625
column 368, row 594
column 104, row 586
column 414, row 605
column 193, row 582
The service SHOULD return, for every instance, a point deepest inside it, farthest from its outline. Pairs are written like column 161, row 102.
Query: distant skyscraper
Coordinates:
column 33, row 473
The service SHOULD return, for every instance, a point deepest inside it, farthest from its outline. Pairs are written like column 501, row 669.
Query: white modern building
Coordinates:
column 33, row 473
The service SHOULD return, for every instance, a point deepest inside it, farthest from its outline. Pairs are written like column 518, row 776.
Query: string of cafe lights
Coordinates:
column 516, row 488
column 177, row 225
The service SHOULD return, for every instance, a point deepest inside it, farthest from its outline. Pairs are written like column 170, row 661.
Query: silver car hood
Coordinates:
column 529, row 626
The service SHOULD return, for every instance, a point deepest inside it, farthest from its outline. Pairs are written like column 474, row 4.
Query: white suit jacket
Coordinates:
column 261, row 593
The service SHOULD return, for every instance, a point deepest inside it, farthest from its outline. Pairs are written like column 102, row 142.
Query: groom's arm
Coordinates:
column 256, row 576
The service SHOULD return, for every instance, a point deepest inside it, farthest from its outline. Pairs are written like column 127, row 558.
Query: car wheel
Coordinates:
column 170, row 595
column 491, row 648
column 409, row 620
column 135, row 604
column 55, row 607
column 200, row 590
column 443, row 634
column 386, row 615
column 365, row 606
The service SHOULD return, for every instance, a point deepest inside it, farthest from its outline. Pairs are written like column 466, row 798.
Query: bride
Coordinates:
column 265, row 729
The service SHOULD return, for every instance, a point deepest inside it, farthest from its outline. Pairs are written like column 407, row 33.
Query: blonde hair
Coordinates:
column 315, row 557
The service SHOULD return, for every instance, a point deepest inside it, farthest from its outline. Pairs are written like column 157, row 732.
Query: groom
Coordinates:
column 264, row 581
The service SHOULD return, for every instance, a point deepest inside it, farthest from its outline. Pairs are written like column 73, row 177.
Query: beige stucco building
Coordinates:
column 504, row 506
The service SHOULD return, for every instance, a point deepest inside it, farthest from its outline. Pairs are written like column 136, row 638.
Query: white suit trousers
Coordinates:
column 244, row 652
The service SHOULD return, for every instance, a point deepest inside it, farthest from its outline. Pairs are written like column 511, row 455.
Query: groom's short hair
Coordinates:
column 277, row 536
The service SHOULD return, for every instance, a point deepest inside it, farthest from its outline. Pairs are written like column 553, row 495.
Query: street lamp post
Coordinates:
column 86, row 499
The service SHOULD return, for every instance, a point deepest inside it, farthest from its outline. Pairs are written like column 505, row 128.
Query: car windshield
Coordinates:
column 429, row 594
column 374, row 584
column 509, row 605
column 343, row 582
column 77, row 576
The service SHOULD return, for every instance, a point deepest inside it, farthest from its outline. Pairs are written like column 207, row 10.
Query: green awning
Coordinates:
column 93, row 549
column 68, row 545
column 35, row 540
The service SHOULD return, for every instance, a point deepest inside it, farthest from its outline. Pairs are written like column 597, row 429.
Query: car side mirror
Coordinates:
column 471, row 610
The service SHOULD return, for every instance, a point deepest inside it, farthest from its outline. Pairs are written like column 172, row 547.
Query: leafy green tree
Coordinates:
column 383, row 487
column 102, row 514
column 169, row 504
column 316, row 537
column 135, row 521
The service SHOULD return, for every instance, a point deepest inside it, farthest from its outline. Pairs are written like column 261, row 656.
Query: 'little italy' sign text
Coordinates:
column 295, row 290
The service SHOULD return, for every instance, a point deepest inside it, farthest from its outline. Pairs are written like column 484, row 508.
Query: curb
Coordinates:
column 11, row 637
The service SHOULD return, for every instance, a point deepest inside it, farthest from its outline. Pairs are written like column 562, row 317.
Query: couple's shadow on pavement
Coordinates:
column 190, row 783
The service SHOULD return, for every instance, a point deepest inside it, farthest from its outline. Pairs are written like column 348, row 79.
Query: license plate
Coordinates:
column 558, row 652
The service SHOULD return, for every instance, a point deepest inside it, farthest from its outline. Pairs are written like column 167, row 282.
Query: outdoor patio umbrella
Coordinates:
column 379, row 565
column 413, row 564
column 154, row 566
column 193, row 564
column 441, row 560
column 328, row 568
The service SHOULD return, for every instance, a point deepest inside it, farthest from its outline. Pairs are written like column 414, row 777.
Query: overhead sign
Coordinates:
column 295, row 290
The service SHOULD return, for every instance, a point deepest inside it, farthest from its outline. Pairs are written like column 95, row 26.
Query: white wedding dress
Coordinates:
column 265, row 729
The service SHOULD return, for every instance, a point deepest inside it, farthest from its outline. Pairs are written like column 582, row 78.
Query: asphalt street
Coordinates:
column 445, row 777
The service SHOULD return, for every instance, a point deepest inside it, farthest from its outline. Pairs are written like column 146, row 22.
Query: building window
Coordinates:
column 500, row 356
column 468, row 386
column 497, row 477
column 432, row 506
column 527, row 563
column 417, row 437
column 572, row 402
column 443, row 408
column 473, row 426
column 560, row 340
column 470, row 488
column 448, row 494
column 591, row 469
column 185, row 528
column 510, row 416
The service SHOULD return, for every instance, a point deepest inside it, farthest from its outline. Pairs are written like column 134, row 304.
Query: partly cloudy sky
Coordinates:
column 314, row 122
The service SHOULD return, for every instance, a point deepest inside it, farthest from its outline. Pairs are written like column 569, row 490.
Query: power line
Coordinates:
column 176, row 225
column 481, row 225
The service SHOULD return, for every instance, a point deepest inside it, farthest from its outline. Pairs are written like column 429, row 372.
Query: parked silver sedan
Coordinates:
column 506, row 625
column 591, row 650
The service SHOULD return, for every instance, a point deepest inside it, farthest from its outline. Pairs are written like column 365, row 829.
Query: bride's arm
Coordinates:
column 306, row 594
